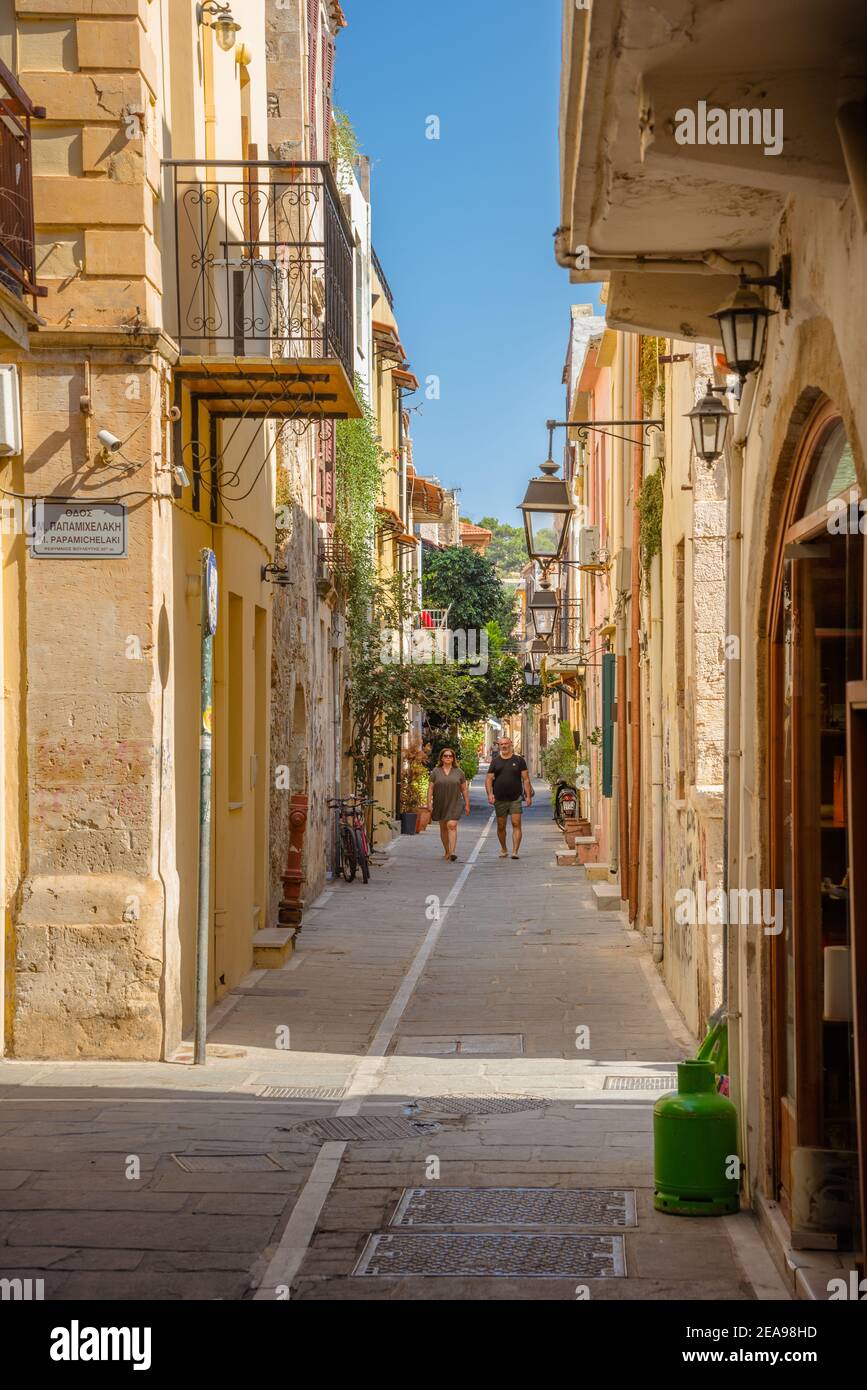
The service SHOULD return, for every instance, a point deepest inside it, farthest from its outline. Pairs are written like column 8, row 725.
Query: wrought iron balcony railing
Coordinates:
column 17, row 238
column 264, row 261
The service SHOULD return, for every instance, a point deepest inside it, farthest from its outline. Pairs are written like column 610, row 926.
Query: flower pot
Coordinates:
column 408, row 822
column 422, row 820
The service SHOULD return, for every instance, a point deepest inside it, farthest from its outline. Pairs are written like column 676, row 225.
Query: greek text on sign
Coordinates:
column 80, row 530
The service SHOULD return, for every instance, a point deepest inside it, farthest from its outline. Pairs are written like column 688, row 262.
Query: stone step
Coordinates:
column 607, row 896
column 272, row 947
column 597, row 873
column 566, row 856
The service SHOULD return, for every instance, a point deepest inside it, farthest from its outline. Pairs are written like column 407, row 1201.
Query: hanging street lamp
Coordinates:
column 544, row 609
column 744, row 322
column 709, row 419
column 538, row 652
column 547, row 509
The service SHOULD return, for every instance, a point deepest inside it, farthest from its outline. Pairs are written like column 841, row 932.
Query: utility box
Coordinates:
column 10, row 411
column 588, row 545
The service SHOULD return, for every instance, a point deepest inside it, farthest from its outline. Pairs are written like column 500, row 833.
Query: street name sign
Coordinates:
column 79, row 530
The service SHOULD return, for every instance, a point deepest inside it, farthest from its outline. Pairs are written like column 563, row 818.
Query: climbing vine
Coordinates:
column 359, row 470
column 649, row 505
column 650, row 378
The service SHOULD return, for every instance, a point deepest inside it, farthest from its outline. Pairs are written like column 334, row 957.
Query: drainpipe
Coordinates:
column 656, row 752
column 614, row 501
column 635, row 601
column 732, row 980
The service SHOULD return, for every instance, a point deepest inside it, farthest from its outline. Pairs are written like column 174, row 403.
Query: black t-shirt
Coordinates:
column 507, row 777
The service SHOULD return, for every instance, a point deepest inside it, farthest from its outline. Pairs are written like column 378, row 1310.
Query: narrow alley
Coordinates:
column 445, row 1093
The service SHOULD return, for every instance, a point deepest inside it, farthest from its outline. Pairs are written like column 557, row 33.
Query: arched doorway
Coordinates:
column 818, row 656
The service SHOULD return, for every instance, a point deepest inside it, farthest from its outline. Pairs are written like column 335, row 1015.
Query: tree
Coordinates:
column 466, row 583
column 508, row 550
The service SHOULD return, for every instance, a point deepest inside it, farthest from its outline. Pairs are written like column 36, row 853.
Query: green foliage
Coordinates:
column 650, row 504
column 360, row 464
column 345, row 148
column 560, row 758
column 650, row 376
column 471, row 736
column 508, row 550
column 466, row 583
column 414, row 779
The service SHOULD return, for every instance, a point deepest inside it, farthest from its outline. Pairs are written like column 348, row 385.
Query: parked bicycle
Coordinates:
column 352, row 849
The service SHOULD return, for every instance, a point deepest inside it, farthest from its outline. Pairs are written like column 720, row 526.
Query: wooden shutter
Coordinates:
column 312, row 57
column 609, row 663
column 328, row 461
column 327, row 91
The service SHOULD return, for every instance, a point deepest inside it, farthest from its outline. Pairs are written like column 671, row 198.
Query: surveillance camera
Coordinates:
column 109, row 441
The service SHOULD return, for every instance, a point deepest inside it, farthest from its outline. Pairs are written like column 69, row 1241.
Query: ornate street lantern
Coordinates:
column 744, row 329
column 544, row 608
column 538, row 652
column 547, row 509
column 709, row 419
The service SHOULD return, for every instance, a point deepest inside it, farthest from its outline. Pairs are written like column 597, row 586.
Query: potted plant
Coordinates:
column 413, row 793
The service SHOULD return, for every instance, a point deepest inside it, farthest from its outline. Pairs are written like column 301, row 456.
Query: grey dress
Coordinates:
column 448, row 794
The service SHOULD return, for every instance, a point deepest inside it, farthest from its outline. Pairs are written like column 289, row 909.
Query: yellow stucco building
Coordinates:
column 198, row 306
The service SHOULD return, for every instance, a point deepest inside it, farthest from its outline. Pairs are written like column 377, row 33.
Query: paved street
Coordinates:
column 455, row 1026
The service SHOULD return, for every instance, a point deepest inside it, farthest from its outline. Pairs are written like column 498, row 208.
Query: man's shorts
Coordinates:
column 508, row 808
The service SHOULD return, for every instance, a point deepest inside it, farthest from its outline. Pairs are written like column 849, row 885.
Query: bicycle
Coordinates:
column 352, row 850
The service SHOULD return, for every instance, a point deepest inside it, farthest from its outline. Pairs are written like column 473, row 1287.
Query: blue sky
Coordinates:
column 464, row 225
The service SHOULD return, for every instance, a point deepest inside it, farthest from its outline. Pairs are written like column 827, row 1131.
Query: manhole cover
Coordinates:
column 481, row 1105
column 464, row 1045
column 227, row 1163
column 302, row 1092
column 493, row 1256
column 364, row 1130
column 515, row 1206
column 640, row 1083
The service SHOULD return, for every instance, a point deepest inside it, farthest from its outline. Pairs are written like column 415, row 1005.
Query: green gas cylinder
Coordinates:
column 695, row 1143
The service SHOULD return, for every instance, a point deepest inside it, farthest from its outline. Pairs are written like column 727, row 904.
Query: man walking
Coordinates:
column 507, row 781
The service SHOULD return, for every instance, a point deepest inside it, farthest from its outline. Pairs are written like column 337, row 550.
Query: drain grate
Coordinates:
column 493, row 1256
column 365, row 1130
column 462, row 1045
column 302, row 1092
column 227, row 1163
column 667, row 1082
column 481, row 1105
column 515, row 1206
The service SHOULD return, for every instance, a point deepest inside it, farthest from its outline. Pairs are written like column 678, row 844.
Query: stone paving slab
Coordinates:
column 521, row 951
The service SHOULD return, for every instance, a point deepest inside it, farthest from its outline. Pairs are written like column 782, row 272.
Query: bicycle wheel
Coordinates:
column 361, row 851
column 348, row 856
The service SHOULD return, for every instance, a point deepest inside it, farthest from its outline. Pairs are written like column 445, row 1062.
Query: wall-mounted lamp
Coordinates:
column 211, row 15
column 744, row 322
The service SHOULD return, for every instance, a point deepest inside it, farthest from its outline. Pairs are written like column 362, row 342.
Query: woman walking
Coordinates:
column 448, row 798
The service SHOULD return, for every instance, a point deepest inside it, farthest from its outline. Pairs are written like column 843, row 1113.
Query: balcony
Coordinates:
column 264, row 288
column 17, row 238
